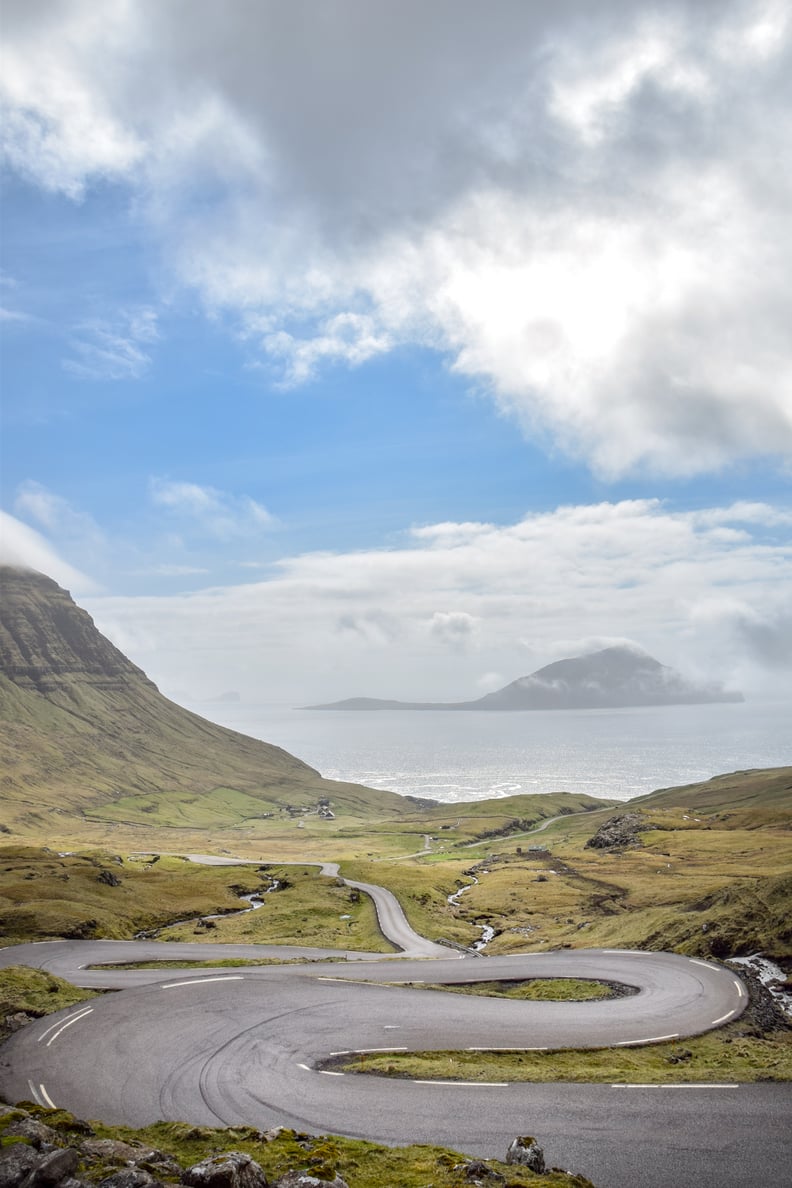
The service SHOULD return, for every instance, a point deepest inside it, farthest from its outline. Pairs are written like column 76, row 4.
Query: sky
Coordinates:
column 362, row 348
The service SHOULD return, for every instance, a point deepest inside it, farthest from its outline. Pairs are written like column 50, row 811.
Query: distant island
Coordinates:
column 614, row 678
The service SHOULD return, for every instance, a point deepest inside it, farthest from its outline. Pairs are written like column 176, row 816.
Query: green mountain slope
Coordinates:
column 86, row 735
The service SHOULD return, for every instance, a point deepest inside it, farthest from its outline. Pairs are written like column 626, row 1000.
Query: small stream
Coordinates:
column 487, row 932
column 254, row 900
column 771, row 976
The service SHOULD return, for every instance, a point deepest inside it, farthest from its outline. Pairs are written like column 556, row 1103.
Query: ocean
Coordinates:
column 456, row 756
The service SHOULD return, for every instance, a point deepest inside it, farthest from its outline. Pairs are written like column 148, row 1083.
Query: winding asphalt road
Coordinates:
column 222, row 1047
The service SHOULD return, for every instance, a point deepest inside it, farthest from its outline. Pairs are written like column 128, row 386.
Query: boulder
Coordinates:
column 52, row 1169
column 16, row 1162
column 131, row 1177
column 233, row 1169
column 34, row 1131
column 478, row 1172
column 305, row 1179
column 115, row 1151
column 525, row 1151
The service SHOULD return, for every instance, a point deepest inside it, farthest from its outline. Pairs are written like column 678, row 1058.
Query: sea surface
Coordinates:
column 456, row 756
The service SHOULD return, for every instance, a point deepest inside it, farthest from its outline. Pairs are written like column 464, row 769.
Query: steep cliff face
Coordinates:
column 47, row 642
column 83, row 728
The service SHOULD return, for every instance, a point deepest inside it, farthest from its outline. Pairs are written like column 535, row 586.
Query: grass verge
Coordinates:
column 725, row 1055
column 35, row 993
column 359, row 1163
column 539, row 989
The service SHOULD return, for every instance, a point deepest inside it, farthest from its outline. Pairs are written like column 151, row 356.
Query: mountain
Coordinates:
column 612, row 678
column 86, row 734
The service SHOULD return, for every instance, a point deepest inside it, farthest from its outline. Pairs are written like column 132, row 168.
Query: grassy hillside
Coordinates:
column 708, row 873
column 45, row 895
column 89, row 744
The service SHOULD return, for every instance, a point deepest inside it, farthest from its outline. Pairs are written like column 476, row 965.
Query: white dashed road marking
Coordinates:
column 59, row 1022
column 68, row 1023
column 722, row 1019
column 652, row 1039
column 202, row 981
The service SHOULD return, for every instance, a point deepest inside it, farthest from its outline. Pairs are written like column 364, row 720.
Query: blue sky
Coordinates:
column 343, row 354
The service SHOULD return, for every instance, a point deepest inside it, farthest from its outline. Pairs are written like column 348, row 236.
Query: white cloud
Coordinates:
column 205, row 509
column 331, row 625
column 22, row 546
column 455, row 628
column 104, row 350
column 13, row 315
column 580, row 205
column 56, row 515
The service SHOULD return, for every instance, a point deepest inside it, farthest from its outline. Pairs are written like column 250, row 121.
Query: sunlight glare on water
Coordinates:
column 456, row 756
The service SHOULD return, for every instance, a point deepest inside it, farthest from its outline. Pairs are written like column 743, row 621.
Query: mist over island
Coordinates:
column 612, row 678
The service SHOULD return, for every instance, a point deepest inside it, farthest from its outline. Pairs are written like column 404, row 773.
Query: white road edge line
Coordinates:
column 706, row 964
column 306, row 1067
column 326, row 1072
column 75, row 1019
column 521, row 1049
column 740, row 990
column 202, row 981
column 72, row 1019
column 652, row 1039
column 722, row 1019
column 47, row 1099
column 701, row 1085
column 468, row 1084
column 366, row 1051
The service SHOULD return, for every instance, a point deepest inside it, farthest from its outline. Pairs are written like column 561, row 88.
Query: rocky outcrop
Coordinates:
column 46, row 640
column 525, row 1151
column 305, row 1179
column 68, row 1154
column 618, row 832
column 233, row 1169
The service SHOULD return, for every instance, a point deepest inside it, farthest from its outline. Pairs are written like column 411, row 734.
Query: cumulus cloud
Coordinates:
column 579, row 205
column 209, row 511
column 555, row 583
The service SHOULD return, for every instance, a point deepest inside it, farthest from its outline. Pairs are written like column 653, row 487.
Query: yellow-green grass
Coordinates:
column 422, row 890
column 360, row 1164
column 309, row 909
column 36, row 992
column 534, row 989
column 45, row 895
column 728, row 1055
column 717, row 886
